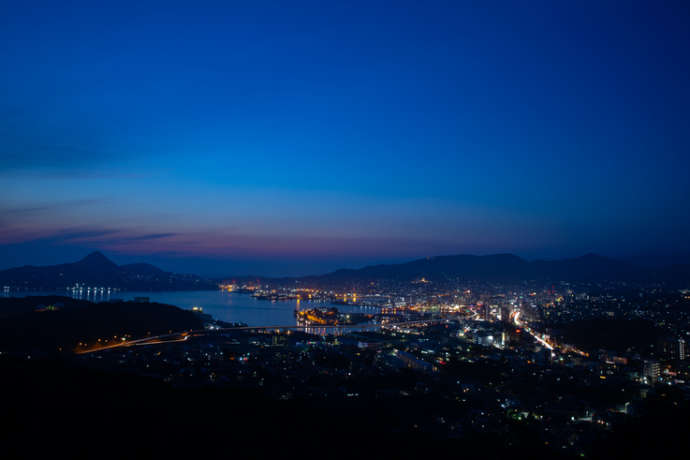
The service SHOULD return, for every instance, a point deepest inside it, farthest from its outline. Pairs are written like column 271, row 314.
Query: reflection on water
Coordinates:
column 225, row 306
column 92, row 295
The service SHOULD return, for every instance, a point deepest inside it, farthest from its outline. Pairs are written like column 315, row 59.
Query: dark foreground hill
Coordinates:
column 97, row 270
column 60, row 407
column 52, row 323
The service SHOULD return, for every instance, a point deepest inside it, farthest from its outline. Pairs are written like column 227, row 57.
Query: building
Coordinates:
column 506, row 310
column 411, row 362
column 672, row 348
column 651, row 371
column 668, row 347
column 681, row 349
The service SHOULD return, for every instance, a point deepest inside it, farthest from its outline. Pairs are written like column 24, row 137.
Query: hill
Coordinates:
column 44, row 323
column 509, row 267
column 97, row 270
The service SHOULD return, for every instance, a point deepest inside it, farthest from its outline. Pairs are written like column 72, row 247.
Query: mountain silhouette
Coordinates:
column 510, row 268
column 97, row 270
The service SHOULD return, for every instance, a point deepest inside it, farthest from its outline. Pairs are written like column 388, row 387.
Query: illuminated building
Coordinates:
column 505, row 313
column 486, row 310
column 651, row 371
column 681, row 349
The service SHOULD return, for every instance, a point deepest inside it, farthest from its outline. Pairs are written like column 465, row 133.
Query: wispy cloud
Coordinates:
column 101, row 237
column 81, row 235
column 47, row 208
column 146, row 237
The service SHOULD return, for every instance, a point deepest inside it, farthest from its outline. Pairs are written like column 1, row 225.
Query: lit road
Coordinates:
column 184, row 336
column 564, row 347
column 516, row 320
column 167, row 338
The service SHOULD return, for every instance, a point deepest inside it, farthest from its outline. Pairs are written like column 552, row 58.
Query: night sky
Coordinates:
column 289, row 138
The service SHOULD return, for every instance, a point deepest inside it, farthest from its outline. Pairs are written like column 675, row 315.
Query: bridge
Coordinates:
column 417, row 323
column 186, row 335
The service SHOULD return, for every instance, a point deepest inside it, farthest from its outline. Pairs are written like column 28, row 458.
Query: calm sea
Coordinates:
column 224, row 306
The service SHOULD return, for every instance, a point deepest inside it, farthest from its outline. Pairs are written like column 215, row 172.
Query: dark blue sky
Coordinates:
column 287, row 138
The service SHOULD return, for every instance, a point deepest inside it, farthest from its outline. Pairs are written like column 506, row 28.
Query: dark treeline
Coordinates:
column 48, row 323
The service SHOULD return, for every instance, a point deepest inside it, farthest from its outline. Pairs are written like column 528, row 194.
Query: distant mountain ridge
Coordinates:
column 97, row 270
column 509, row 267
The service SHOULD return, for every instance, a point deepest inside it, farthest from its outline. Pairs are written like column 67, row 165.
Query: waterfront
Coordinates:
column 225, row 306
